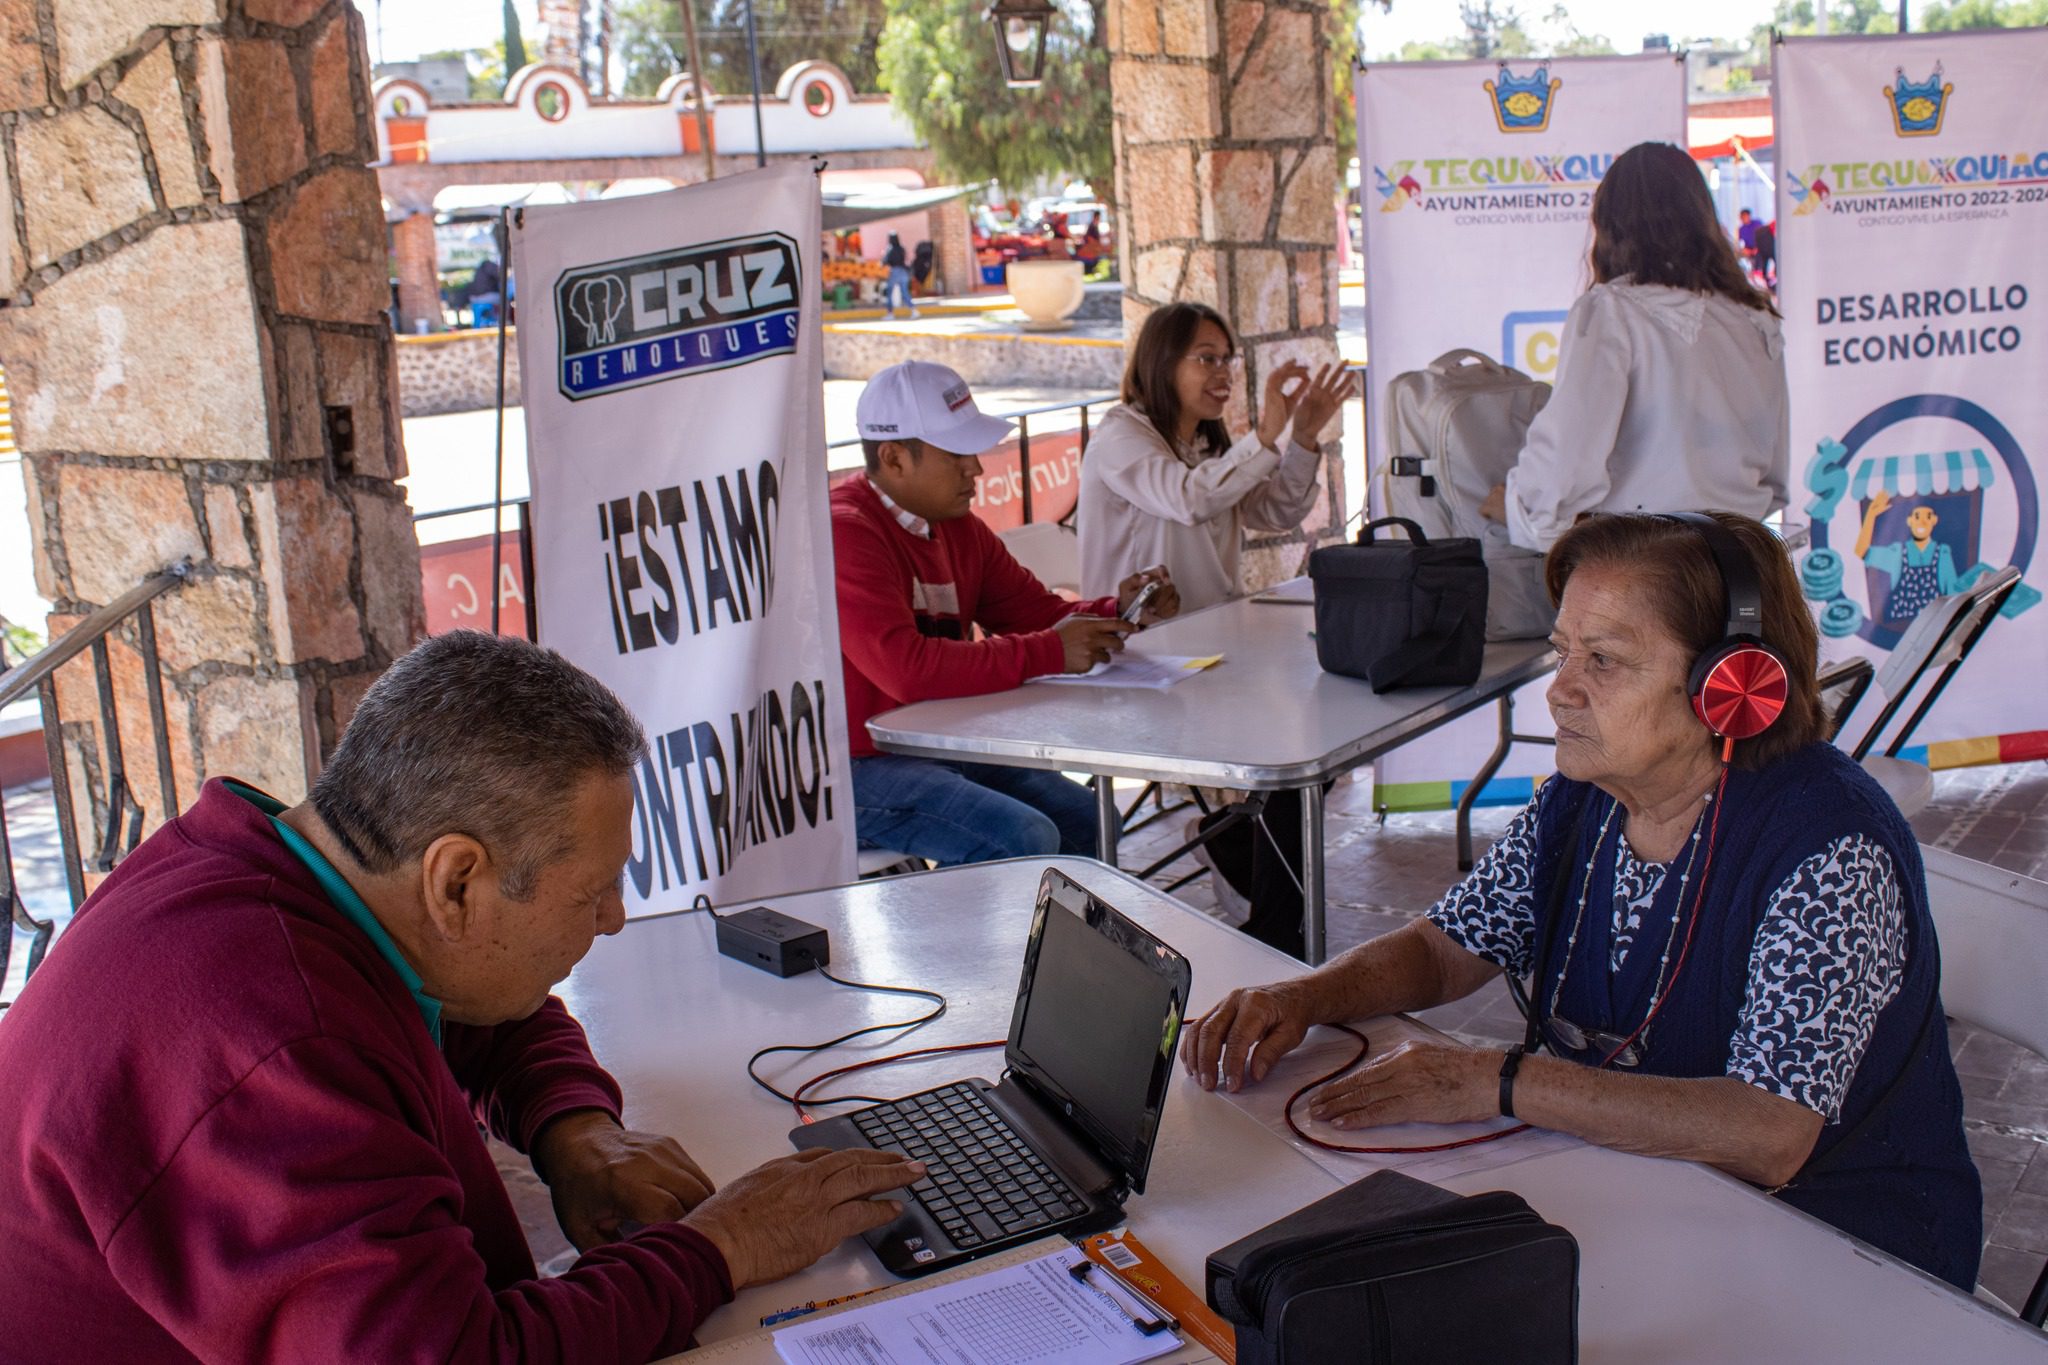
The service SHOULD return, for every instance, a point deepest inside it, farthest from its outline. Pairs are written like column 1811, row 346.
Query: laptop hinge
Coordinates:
column 1031, row 1110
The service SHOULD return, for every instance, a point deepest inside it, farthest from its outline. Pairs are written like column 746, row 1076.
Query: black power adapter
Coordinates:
column 772, row 941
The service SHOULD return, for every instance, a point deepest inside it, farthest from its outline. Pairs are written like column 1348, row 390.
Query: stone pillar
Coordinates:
column 193, row 260
column 1226, row 171
column 953, row 248
column 419, row 274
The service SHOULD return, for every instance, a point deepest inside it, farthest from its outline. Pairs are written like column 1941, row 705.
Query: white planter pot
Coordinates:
column 1047, row 292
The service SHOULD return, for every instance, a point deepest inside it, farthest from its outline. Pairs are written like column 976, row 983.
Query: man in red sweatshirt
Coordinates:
column 917, row 572
column 242, row 1097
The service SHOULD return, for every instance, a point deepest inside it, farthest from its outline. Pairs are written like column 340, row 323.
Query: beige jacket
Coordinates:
column 1144, row 503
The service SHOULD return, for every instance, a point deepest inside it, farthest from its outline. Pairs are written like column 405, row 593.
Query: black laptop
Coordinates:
column 1067, row 1136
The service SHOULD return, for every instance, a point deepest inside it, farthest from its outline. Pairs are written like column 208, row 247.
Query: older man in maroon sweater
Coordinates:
column 242, row 1097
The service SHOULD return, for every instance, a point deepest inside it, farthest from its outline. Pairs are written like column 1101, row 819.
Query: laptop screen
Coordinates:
column 1098, row 1013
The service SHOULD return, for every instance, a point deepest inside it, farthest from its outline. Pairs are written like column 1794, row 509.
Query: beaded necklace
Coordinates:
column 1677, row 913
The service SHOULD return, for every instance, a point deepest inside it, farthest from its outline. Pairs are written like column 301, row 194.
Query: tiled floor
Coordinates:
column 1382, row 874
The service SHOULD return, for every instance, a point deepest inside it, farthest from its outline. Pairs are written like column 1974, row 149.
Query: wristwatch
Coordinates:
column 1510, row 1063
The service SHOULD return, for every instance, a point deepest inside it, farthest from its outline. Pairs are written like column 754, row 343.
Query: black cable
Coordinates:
column 907, row 1025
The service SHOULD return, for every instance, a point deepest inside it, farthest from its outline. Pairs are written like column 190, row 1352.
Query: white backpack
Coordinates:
column 1453, row 432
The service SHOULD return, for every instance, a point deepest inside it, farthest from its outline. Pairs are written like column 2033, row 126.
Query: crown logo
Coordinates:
column 1917, row 108
column 1522, row 105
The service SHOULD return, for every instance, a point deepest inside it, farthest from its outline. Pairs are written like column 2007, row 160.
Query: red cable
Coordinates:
column 796, row 1097
column 1357, row 1057
column 1671, row 987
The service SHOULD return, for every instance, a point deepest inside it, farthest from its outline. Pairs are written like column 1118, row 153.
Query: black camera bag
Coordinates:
column 1392, row 1271
column 1401, row 613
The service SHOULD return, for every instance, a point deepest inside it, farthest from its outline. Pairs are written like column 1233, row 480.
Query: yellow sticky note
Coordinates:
column 1196, row 665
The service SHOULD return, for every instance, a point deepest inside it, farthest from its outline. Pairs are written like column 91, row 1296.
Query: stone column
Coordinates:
column 193, row 259
column 419, row 275
column 953, row 248
column 1226, row 170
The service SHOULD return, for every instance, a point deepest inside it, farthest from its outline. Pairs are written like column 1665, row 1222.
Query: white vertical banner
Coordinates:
column 673, row 373
column 1478, row 181
column 1913, row 252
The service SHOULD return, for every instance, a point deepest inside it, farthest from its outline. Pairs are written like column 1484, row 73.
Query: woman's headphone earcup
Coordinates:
column 1739, row 688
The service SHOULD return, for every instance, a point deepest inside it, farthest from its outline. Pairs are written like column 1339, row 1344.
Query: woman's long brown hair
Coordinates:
column 1163, row 341
column 1654, row 222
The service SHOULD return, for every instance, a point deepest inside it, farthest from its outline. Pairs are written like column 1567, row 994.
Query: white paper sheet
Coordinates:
column 1036, row 1312
column 1156, row 671
column 1323, row 1052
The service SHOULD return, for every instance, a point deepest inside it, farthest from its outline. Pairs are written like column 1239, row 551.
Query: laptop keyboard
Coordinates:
column 982, row 1183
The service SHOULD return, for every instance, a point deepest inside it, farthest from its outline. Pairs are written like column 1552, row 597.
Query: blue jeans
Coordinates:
column 957, row 813
column 897, row 283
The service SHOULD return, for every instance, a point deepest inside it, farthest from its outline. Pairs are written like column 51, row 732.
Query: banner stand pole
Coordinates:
column 504, row 236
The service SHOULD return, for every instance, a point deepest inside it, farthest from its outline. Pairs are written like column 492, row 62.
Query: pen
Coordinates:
column 1151, row 1321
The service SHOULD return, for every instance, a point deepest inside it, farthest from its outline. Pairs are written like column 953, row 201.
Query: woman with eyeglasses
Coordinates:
column 1723, row 919
column 1163, row 483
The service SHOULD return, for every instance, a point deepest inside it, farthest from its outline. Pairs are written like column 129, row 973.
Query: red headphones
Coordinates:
column 1739, row 686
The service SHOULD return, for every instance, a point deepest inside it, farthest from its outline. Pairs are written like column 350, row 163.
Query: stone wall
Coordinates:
column 193, row 263
column 456, row 371
column 1226, row 175
column 854, row 351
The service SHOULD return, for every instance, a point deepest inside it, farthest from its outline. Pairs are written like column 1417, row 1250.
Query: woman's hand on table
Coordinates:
column 1417, row 1082
column 1239, row 1041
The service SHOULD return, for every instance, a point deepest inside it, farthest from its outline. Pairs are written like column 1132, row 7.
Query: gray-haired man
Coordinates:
column 244, row 1091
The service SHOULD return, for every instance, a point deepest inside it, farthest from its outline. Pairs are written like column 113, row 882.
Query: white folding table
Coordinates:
column 1267, row 718
column 1679, row 1263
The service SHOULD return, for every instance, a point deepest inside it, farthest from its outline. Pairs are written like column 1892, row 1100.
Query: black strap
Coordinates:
column 1531, row 1004
column 1509, row 1065
column 1397, row 665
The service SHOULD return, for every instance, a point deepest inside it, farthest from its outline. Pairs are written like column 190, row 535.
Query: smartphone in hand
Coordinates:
column 1130, row 614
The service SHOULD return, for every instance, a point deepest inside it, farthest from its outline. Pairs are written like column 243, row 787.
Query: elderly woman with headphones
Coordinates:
column 1723, row 921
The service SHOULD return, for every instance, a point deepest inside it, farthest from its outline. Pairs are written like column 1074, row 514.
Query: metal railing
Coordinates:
column 524, row 505
column 116, row 811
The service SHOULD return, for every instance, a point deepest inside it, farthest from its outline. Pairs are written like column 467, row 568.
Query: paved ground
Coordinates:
column 1383, row 874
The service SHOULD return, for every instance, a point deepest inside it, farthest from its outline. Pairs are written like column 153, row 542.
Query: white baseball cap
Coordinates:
column 918, row 400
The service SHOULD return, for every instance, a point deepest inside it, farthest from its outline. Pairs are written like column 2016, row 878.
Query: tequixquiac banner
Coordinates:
column 670, row 356
column 1477, row 181
column 1913, row 248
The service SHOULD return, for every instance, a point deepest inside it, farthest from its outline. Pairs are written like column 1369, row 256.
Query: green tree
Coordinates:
column 938, row 61
column 1969, row 14
column 1570, row 42
column 513, row 48
column 844, row 32
column 648, row 39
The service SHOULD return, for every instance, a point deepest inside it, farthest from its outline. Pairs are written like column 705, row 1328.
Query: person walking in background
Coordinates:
column 1767, row 255
column 1745, row 237
column 1671, row 390
column 899, row 276
column 1165, row 484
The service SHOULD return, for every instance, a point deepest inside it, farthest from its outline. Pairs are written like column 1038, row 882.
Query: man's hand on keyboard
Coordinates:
column 781, row 1216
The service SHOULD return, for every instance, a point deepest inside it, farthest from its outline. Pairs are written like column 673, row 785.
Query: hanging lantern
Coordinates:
column 1020, row 39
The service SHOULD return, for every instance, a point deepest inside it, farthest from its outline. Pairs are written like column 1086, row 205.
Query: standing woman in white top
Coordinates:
column 1670, row 392
column 1162, row 483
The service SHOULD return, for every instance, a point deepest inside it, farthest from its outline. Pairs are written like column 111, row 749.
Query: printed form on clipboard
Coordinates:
column 1039, row 1312
column 1155, row 671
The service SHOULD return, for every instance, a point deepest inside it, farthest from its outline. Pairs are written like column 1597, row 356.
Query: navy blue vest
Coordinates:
column 1903, row 1181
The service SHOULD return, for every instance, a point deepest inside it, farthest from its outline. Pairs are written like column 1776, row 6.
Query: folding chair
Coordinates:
column 1939, row 638
column 1993, row 930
